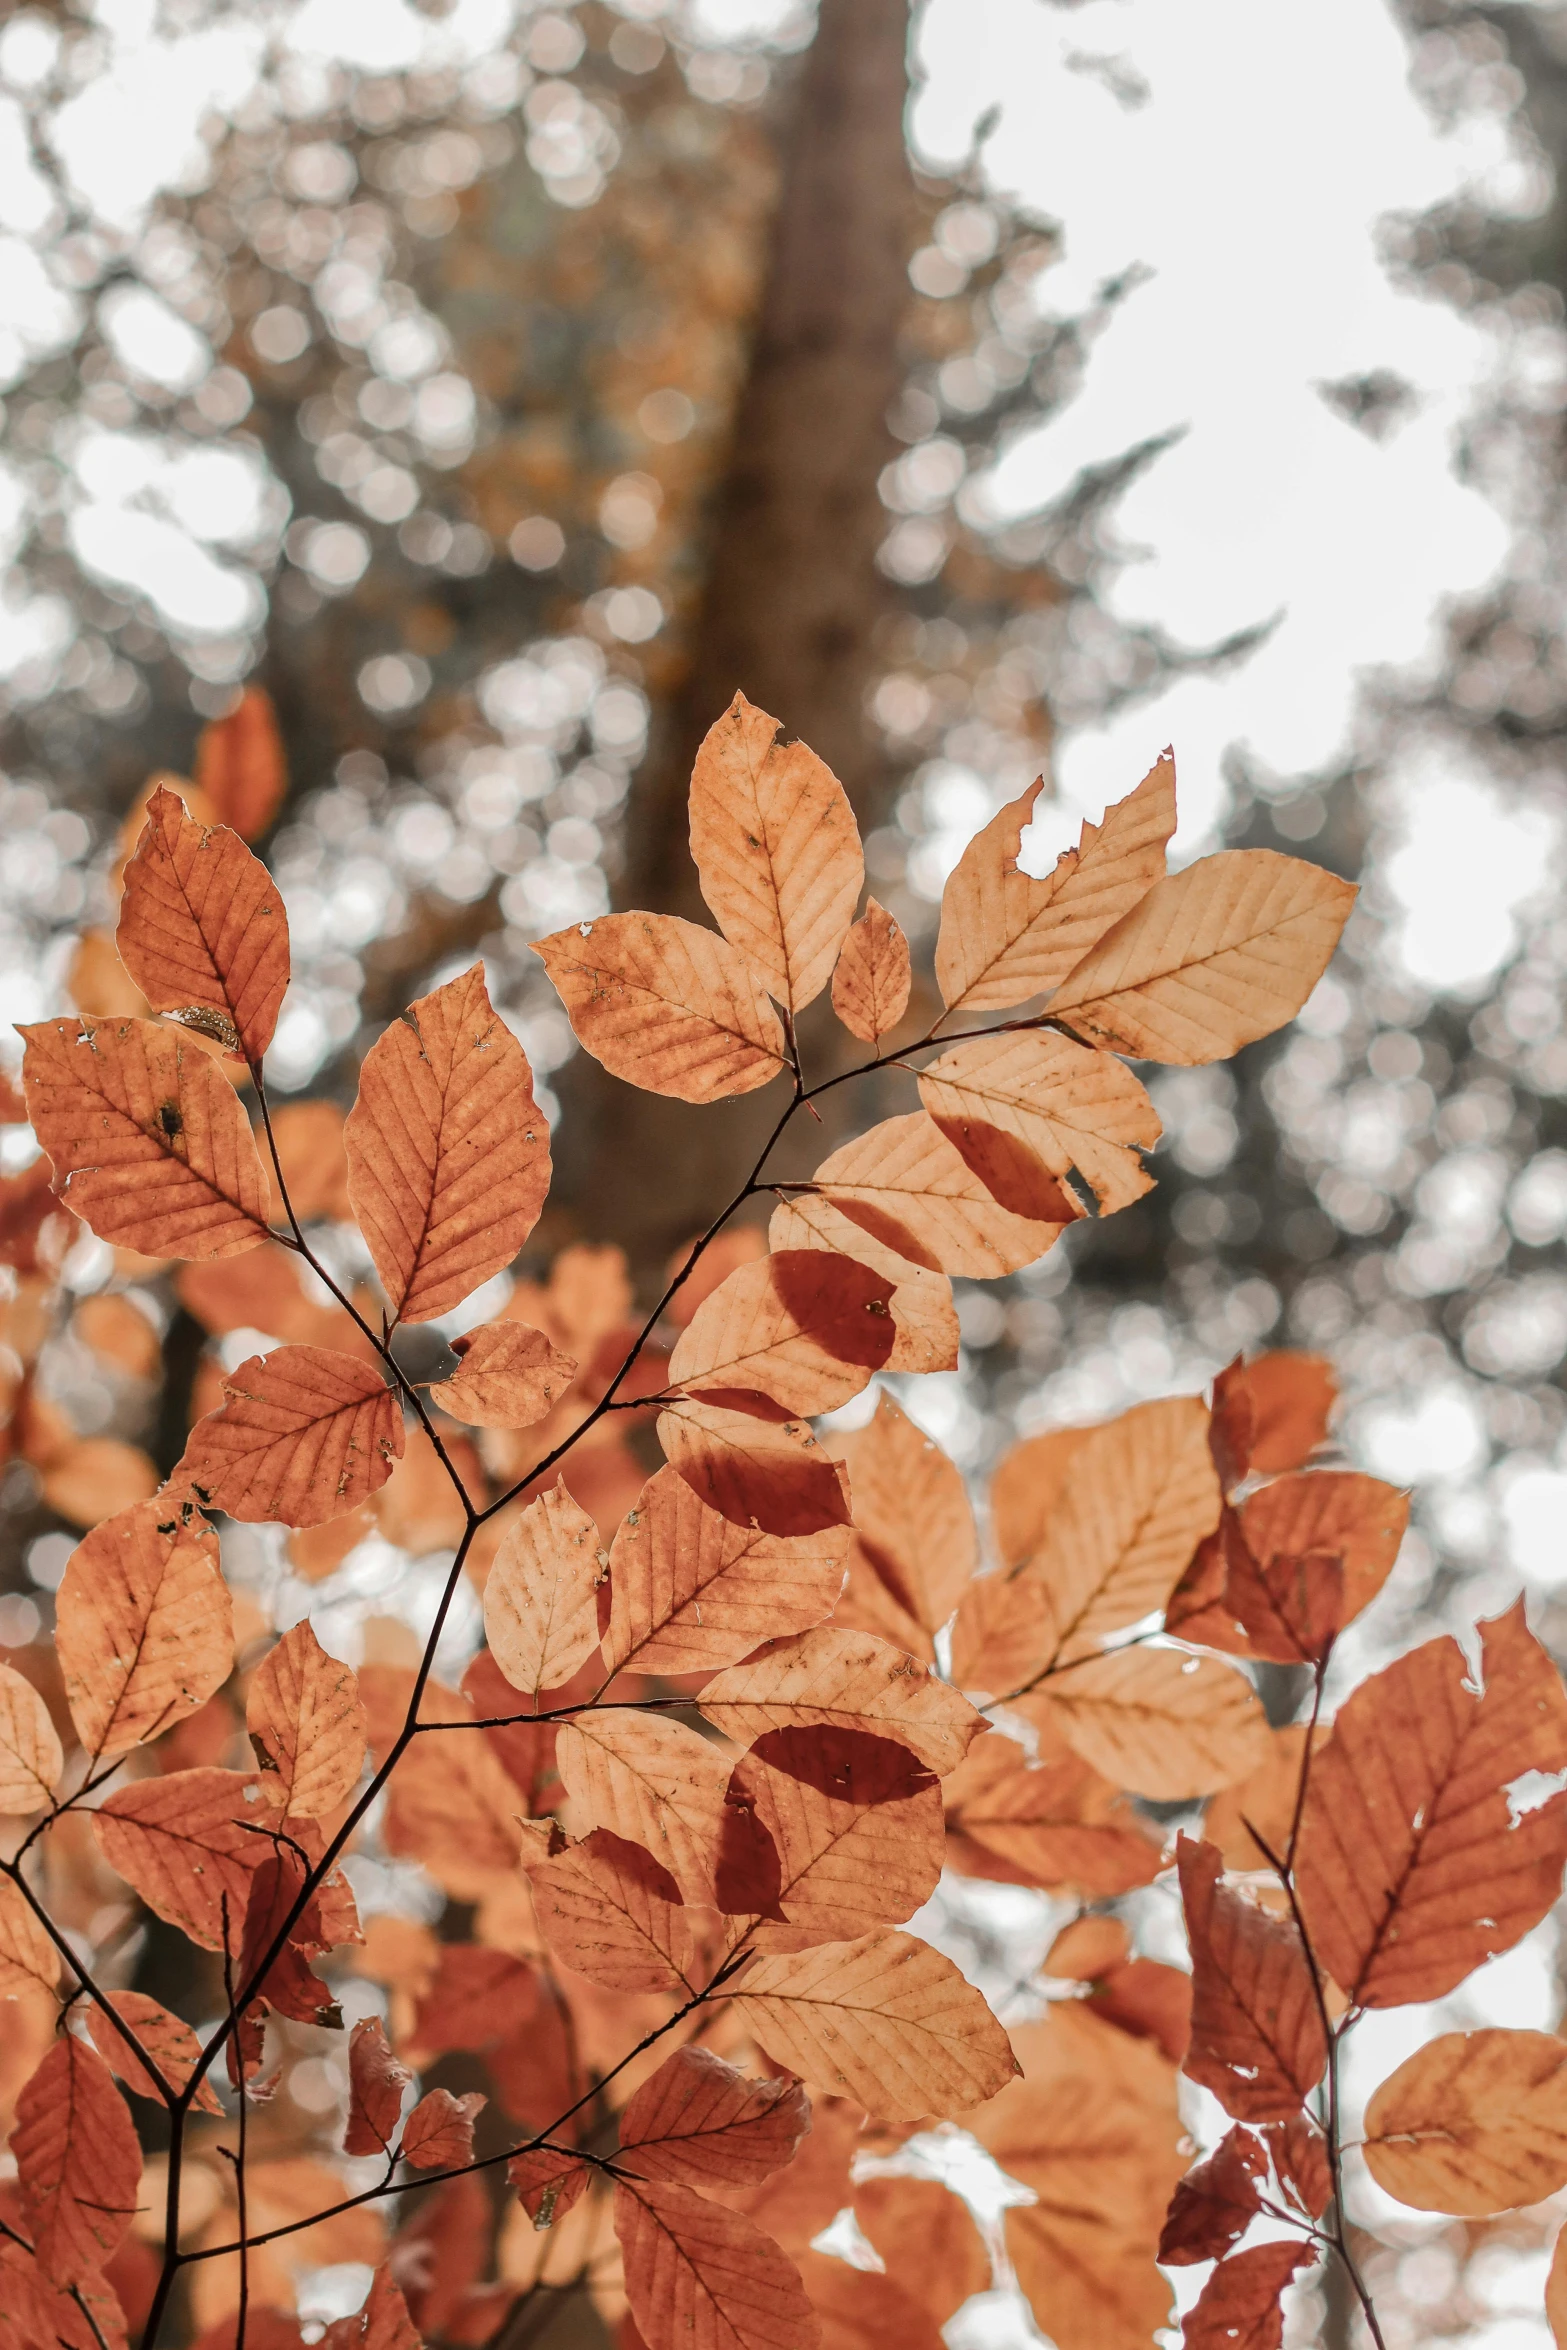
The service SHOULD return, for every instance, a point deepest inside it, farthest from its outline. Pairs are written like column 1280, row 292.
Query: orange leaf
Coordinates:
column 287, row 1983
column 306, row 1434
column 611, row 1912
column 306, row 1724
column 1006, row 936
column 832, row 1829
column 376, row 2082
column 240, row 764
column 438, row 2134
column 666, row 1005
column 777, row 851
column 703, row 2278
column 1300, row 2156
column 701, row 2122
column 144, row 1626
column 1257, row 2036
column 149, row 1143
column 1265, row 1800
column 924, row 1318
column 929, row 2241
column 1356, row 1519
column 907, row 1185
column 838, row 1680
column 1156, row 1721
column 508, row 1376
column 95, row 1477
column 167, row 2039
column 1013, row 1104
column 541, row 1599
column 77, row 2162
column 1473, row 2122
column 1239, row 2307
column 870, row 981
column 1216, row 2202
column 448, row 1152
column 860, row 2310
column 884, row 2019
column 1211, row 959
column 690, row 1590
column 548, row 2183
column 1287, row 1609
column 29, row 1961
column 805, row 1328
column 382, row 2324
column 1056, row 1825
column 1411, row 1868
column 913, row 1527
column 202, row 930
column 1279, row 1405
column 1026, row 1490
column 182, row 1841
column 770, row 1474
column 652, row 1781
column 452, row 1807
column 263, row 1291
column 30, row 1756
column 308, row 1137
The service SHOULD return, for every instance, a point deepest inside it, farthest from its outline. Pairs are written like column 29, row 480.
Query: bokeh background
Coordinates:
column 1005, row 389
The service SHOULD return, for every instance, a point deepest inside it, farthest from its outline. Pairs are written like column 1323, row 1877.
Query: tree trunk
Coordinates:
column 793, row 594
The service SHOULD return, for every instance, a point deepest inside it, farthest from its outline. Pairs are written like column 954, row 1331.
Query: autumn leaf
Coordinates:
column 1473, row 2122
column 913, row 1526
column 308, row 1139
column 548, row 2182
column 1288, row 1609
column 1055, row 1824
column 29, row 1960
column 438, row 2134
column 1257, row 2036
column 924, row 1317
column 776, row 849
column 240, row 765
column 652, row 1781
column 183, row 1841
column 1411, row 1866
column 1006, row 936
column 541, row 1599
column 883, row 2019
column 452, row 1806
column 769, row 1474
column 1211, row 959
column 837, row 1680
column 1011, row 1104
column 77, row 2161
column 704, row 2277
column 508, row 1376
column 1359, row 1520
column 1157, row 1721
column 850, row 1830
column 701, row 2122
column 144, row 1626
column 1216, row 2202
column 690, row 1590
column 305, row 1434
column 666, row 1005
column 1271, row 1413
column 166, row 2039
column 376, row 2082
column 906, row 1185
column 1239, row 2308
column 30, row 1756
column 859, row 2309
column 202, row 930
column 150, row 1145
column 929, row 2241
column 1300, row 2156
column 804, row 1327
column 382, row 2324
column 306, row 1724
column 1026, row 1489
column 448, row 1152
column 871, row 978
column 612, row 1912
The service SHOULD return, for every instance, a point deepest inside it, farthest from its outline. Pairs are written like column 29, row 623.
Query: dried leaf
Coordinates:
column 703, row 2123
column 541, row 1599
column 768, row 1474
column 611, row 1912
column 1257, row 2034
column 1280, row 1405
column 183, row 1841
column 1216, row 2202
column 652, row 1781
column 859, row 2310
column 1027, row 1488
column 29, row 1961
column 509, row 1376
column 382, row 2324
column 376, row 2082
column 871, row 978
column 705, row 2278
column 202, row 930
column 1300, row 2156
column 666, row 1005
column 885, row 2020
column 1158, row 1722
column 305, row 1434
column 1057, row 1825
column 906, row 1185
column 281, row 1975
column 1353, row 1518
column 805, row 1328
column 306, row 1723
column 1473, row 2122
column 691, row 1590
column 1556, row 2292
column 144, row 1626
column 448, row 1152
column 452, row 1806
column 438, row 2134
column 850, row 1828
column 167, row 2039
column 30, row 1756
column 1010, row 1104
column 77, row 2162
column 924, row 1318
column 913, row 1527
column 548, row 2182
column 1211, row 959
column 240, row 765
column 149, row 1143
column 1006, row 936
column 838, row 1680
column 929, row 2241
column 1239, row 2307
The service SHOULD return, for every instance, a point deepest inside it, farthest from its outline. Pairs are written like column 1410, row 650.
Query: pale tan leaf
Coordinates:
column 144, row 1625
column 665, row 1004
column 1026, row 1488
column 448, row 1152
column 836, row 1831
column 306, row 1724
column 841, row 1680
column 150, row 1144
column 906, row 1185
column 925, row 1320
column 1473, row 2122
column 871, row 979
column 652, row 1781
column 305, row 1434
column 30, row 1756
column 805, row 1328
column 1006, row 1101
column 453, row 1806
column 611, row 1912
column 509, row 1376
column 202, row 929
column 704, row 2277
column 1210, row 960
column 769, row 1474
column 29, row 1961
column 541, row 1598
column 1158, row 1722
column 776, row 849
column 913, row 1527
column 885, row 2020
column 1006, row 936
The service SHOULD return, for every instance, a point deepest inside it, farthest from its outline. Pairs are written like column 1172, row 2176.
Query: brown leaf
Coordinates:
column 1265, row 1800
column 283, row 1978
column 541, row 1599
column 1411, row 1868
column 438, row 2134
column 859, row 2310
column 452, row 1807
column 763, row 1473
column 666, row 1005
column 263, row 1291
column 796, row 2203
column 1239, row 2307
column 202, row 930
column 95, row 1478
column 908, row 1186
column 871, row 978
column 1357, row 1519
column 702, row 2122
column 1473, row 2122
column 652, row 1781
column 704, row 2278
column 924, row 1318
column 182, row 1842
column 306, row 1723
column 1300, row 2156
column 805, row 1327
column 240, row 764
column 77, row 2162
column 548, row 2182
column 508, row 1377
column 1057, row 1824
column 448, row 1152
column 149, row 1143
column 1006, row 936
column 144, row 1626
column 840, row 1680
column 1027, row 1487
column 913, row 1527
column 885, row 2020
column 777, row 851
column 1156, row 1721
column 611, row 1912
column 1278, row 1406
column 376, row 2082
column 1286, row 1609
column 1216, row 2202
column 382, row 2324
column 29, row 1961
column 1009, row 1104
column 30, row 1756
column 305, row 1434
column 853, row 1827
column 1211, row 959
column 928, row 2240
column 1257, row 2035
column 167, row 2039
column 691, row 1590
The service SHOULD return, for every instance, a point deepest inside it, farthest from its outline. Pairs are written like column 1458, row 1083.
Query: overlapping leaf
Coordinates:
column 541, row 1599
column 202, row 929
column 509, row 1376
column 906, row 1185
column 832, row 1829
column 305, row 1434
column 1057, row 1824
column 913, row 1528
column 704, row 2277
column 924, row 1318
column 1011, row 1104
column 612, row 1912
column 166, row 2039
column 842, row 1680
column 189, row 1842
column 804, row 1327
column 144, row 1626
column 306, row 1724
column 1257, row 2036
column 30, row 1756
column 767, row 1473
column 652, row 1781
column 665, row 1004
column 703, row 2123
column 872, row 976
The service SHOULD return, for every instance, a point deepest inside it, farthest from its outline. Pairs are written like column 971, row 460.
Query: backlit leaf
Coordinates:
column 1239, row 2307
column 770, row 1474
column 30, row 1756
column 908, row 1186
column 1473, row 2122
column 924, row 1318
column 1157, row 1722
column 1257, row 2037
column 77, row 2161
column 834, row 1679
column 167, row 2039
column 1286, row 1399
column 702, row 2122
column 611, row 1912
column 29, row 1961
column 704, row 2278
column 508, row 1377
column 306, row 1723
column 240, row 764
column 144, row 1626
column 913, row 1526
column 376, row 2082
column 652, row 1781
column 188, row 1843
column 1359, row 1520
column 541, row 1599
column 438, row 2134
column 804, row 1327
column 1216, row 2202
column 1009, row 1104
column 871, row 978
column 665, row 1004
column 305, row 1434
column 202, row 929
column 852, row 1826
column 1056, row 1824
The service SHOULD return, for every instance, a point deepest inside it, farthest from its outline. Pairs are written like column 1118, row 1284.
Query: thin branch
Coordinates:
column 85, row 1982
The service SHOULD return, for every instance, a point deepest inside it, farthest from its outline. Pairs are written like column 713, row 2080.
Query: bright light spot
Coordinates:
column 196, row 595
column 1438, row 1435
column 1467, row 863
column 1534, row 1512
column 394, row 682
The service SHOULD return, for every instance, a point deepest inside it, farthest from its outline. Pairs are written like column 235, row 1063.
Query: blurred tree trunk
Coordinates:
column 792, row 597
